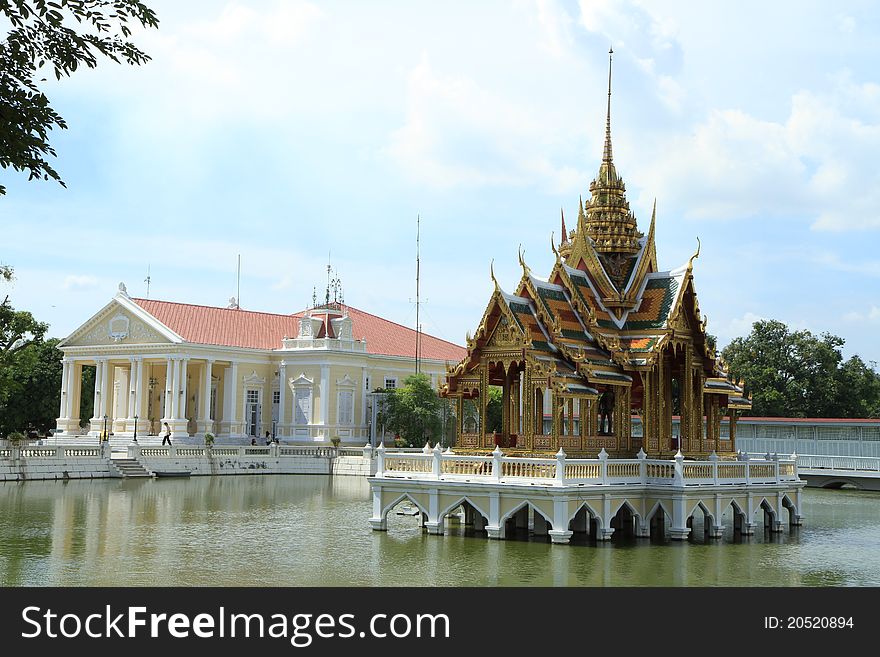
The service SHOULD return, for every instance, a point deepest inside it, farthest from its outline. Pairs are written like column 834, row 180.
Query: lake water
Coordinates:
column 277, row 530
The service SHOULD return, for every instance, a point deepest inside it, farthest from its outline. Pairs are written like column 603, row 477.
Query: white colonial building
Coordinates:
column 303, row 377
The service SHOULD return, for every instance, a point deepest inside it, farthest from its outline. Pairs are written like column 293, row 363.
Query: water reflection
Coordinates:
column 312, row 530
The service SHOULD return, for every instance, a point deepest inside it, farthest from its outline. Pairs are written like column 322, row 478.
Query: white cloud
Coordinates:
column 818, row 163
column 458, row 132
column 80, row 282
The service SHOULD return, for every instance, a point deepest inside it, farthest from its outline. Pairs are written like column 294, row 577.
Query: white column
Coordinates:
column 184, row 363
column 282, row 396
column 72, row 388
column 230, row 408
column 205, row 410
column 137, row 385
column 175, row 389
column 363, row 396
column 325, row 395
column 105, row 389
column 66, row 366
column 169, row 366
column 96, row 406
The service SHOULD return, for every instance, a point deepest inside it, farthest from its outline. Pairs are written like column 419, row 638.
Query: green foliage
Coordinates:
column 796, row 374
column 63, row 36
column 209, row 439
column 16, row 437
column 415, row 412
column 494, row 409
column 31, row 387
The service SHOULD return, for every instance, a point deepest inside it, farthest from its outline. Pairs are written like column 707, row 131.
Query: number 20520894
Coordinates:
column 808, row 622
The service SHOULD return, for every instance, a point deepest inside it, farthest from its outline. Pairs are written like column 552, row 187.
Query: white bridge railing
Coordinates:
column 858, row 465
column 561, row 471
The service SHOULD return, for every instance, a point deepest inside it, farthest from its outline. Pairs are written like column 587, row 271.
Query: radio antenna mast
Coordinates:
column 418, row 326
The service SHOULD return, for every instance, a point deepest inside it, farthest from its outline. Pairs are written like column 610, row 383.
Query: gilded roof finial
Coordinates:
column 606, row 156
column 695, row 256
column 492, row 274
column 553, row 246
column 522, row 262
column 564, row 237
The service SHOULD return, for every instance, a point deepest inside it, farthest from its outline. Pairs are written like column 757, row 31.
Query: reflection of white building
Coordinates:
column 303, row 377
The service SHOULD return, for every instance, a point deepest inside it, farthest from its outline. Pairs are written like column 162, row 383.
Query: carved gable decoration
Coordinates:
column 505, row 336
column 114, row 325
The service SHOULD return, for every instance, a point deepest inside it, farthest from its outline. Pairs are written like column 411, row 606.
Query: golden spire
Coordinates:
column 610, row 223
column 606, row 155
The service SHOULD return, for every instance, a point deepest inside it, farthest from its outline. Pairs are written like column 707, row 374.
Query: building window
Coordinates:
column 302, row 406
column 390, row 382
column 345, row 410
column 253, row 396
column 367, row 383
column 276, row 396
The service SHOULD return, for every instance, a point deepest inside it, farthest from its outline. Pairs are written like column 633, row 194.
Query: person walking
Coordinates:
column 167, row 436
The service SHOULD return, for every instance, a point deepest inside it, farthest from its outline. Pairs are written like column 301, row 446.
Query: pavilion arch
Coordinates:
column 769, row 511
column 617, row 517
column 657, row 505
column 585, row 504
column 464, row 499
column 398, row 500
column 519, row 507
column 708, row 515
column 793, row 511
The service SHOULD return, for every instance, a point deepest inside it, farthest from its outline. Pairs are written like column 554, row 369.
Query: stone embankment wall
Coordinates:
column 24, row 463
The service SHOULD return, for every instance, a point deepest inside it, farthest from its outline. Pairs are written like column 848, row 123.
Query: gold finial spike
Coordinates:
column 606, row 156
column 695, row 256
column 553, row 246
column 522, row 262
column 492, row 274
column 564, row 237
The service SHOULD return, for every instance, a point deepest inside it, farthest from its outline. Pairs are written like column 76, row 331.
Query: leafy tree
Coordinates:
column 32, row 398
column 62, row 35
column 797, row 374
column 415, row 411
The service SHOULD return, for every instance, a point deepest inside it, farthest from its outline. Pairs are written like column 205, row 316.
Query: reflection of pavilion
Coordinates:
column 606, row 335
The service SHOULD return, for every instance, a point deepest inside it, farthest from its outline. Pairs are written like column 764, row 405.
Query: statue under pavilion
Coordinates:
column 607, row 342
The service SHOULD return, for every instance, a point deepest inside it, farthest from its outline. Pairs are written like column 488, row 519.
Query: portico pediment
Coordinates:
column 120, row 322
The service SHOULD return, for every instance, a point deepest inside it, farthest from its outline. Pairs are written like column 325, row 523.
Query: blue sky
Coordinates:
column 282, row 131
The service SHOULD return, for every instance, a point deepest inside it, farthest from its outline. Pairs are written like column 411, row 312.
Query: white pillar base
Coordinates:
column 560, row 536
column 605, row 533
column 495, row 531
column 379, row 524
column 679, row 533
column 435, row 528
column 716, row 531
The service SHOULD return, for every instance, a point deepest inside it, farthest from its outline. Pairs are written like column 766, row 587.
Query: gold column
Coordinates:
column 484, row 399
column 687, row 401
column 647, row 410
column 699, row 406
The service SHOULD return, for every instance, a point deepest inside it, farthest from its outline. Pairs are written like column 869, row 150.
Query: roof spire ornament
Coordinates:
column 492, row 274
column 606, row 155
column 695, row 256
column 522, row 262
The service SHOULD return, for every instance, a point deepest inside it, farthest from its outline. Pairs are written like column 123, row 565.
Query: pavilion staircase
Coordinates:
column 129, row 468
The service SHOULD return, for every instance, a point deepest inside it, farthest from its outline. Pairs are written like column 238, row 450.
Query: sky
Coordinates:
column 293, row 133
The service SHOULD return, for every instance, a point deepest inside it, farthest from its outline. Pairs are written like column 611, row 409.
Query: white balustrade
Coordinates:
column 561, row 471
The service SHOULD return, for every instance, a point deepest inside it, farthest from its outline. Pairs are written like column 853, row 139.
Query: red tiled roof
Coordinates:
column 229, row 327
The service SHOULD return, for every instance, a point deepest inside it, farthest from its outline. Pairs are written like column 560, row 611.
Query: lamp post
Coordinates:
column 104, row 435
column 134, row 438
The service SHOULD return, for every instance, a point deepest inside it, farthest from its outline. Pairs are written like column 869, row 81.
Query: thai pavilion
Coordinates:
column 606, row 343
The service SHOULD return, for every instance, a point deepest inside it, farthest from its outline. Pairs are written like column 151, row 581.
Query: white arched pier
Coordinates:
column 562, row 496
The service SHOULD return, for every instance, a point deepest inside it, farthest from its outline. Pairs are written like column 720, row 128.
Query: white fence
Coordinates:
column 561, row 471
